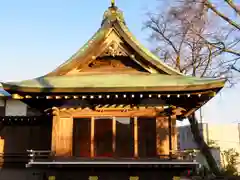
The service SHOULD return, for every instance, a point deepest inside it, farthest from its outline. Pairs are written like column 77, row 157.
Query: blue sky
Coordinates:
column 37, row 36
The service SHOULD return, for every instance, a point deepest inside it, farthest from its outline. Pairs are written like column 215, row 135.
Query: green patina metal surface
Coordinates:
column 98, row 35
column 111, row 15
column 151, row 57
column 115, row 81
column 115, row 16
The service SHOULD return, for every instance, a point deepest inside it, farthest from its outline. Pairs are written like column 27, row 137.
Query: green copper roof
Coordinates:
column 162, row 79
column 113, row 18
column 146, row 53
column 98, row 35
column 114, row 83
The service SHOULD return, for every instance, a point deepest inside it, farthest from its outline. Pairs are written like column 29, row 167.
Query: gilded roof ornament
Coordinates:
column 113, row 13
column 112, row 3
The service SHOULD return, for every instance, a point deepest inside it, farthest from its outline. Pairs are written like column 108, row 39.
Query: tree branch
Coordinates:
column 228, row 20
column 233, row 6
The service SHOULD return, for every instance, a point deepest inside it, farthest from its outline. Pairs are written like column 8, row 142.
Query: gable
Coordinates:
column 111, row 55
column 112, row 49
column 113, row 58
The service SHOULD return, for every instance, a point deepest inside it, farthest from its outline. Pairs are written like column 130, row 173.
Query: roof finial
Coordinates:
column 112, row 3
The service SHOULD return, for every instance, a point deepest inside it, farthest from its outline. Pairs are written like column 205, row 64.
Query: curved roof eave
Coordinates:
column 149, row 56
column 125, row 33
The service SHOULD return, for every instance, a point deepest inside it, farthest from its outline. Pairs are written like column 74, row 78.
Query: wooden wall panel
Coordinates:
column 81, row 137
column 2, row 107
column 124, row 137
column 62, row 133
column 174, row 136
column 147, row 137
column 162, row 136
column 103, row 137
column 19, row 139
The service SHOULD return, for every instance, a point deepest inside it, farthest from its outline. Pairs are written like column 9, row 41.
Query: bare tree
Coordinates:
column 187, row 37
column 225, row 17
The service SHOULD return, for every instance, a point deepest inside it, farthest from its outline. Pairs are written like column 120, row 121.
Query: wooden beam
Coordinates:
column 135, row 123
column 86, row 113
column 92, row 148
column 114, row 125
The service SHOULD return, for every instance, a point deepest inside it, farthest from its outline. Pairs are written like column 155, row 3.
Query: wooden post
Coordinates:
column 92, row 148
column 170, row 135
column 162, row 136
column 62, row 131
column 174, row 135
column 54, row 129
column 135, row 137
column 1, row 151
column 114, row 135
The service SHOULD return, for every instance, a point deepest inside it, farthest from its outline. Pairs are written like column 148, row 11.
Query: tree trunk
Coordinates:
column 202, row 145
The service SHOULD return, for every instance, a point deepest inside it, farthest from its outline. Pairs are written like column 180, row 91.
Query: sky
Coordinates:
column 37, row 36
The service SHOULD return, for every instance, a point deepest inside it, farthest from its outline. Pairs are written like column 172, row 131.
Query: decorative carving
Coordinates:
column 114, row 50
column 106, row 63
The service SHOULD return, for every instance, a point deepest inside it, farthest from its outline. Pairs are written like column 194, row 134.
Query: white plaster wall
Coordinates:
column 225, row 135
column 185, row 138
column 216, row 154
column 15, row 108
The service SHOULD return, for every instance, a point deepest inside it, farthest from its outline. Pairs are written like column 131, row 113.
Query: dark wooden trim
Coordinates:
column 24, row 120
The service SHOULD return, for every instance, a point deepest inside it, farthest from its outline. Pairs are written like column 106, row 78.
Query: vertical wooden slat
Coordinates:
column 170, row 135
column 135, row 137
column 92, row 137
column 54, row 131
column 162, row 136
column 62, row 133
column 1, row 151
column 174, row 136
column 114, row 134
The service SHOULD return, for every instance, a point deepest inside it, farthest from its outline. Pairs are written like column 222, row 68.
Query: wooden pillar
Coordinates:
column 135, row 137
column 1, row 151
column 162, row 136
column 170, row 135
column 62, row 133
column 92, row 148
column 174, row 136
column 114, row 135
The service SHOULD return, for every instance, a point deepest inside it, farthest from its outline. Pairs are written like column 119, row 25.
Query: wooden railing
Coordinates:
column 35, row 155
column 47, row 155
column 39, row 154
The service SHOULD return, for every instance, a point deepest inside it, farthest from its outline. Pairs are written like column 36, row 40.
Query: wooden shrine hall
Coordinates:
column 113, row 100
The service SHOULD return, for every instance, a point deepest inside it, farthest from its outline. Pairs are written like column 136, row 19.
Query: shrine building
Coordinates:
column 109, row 111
